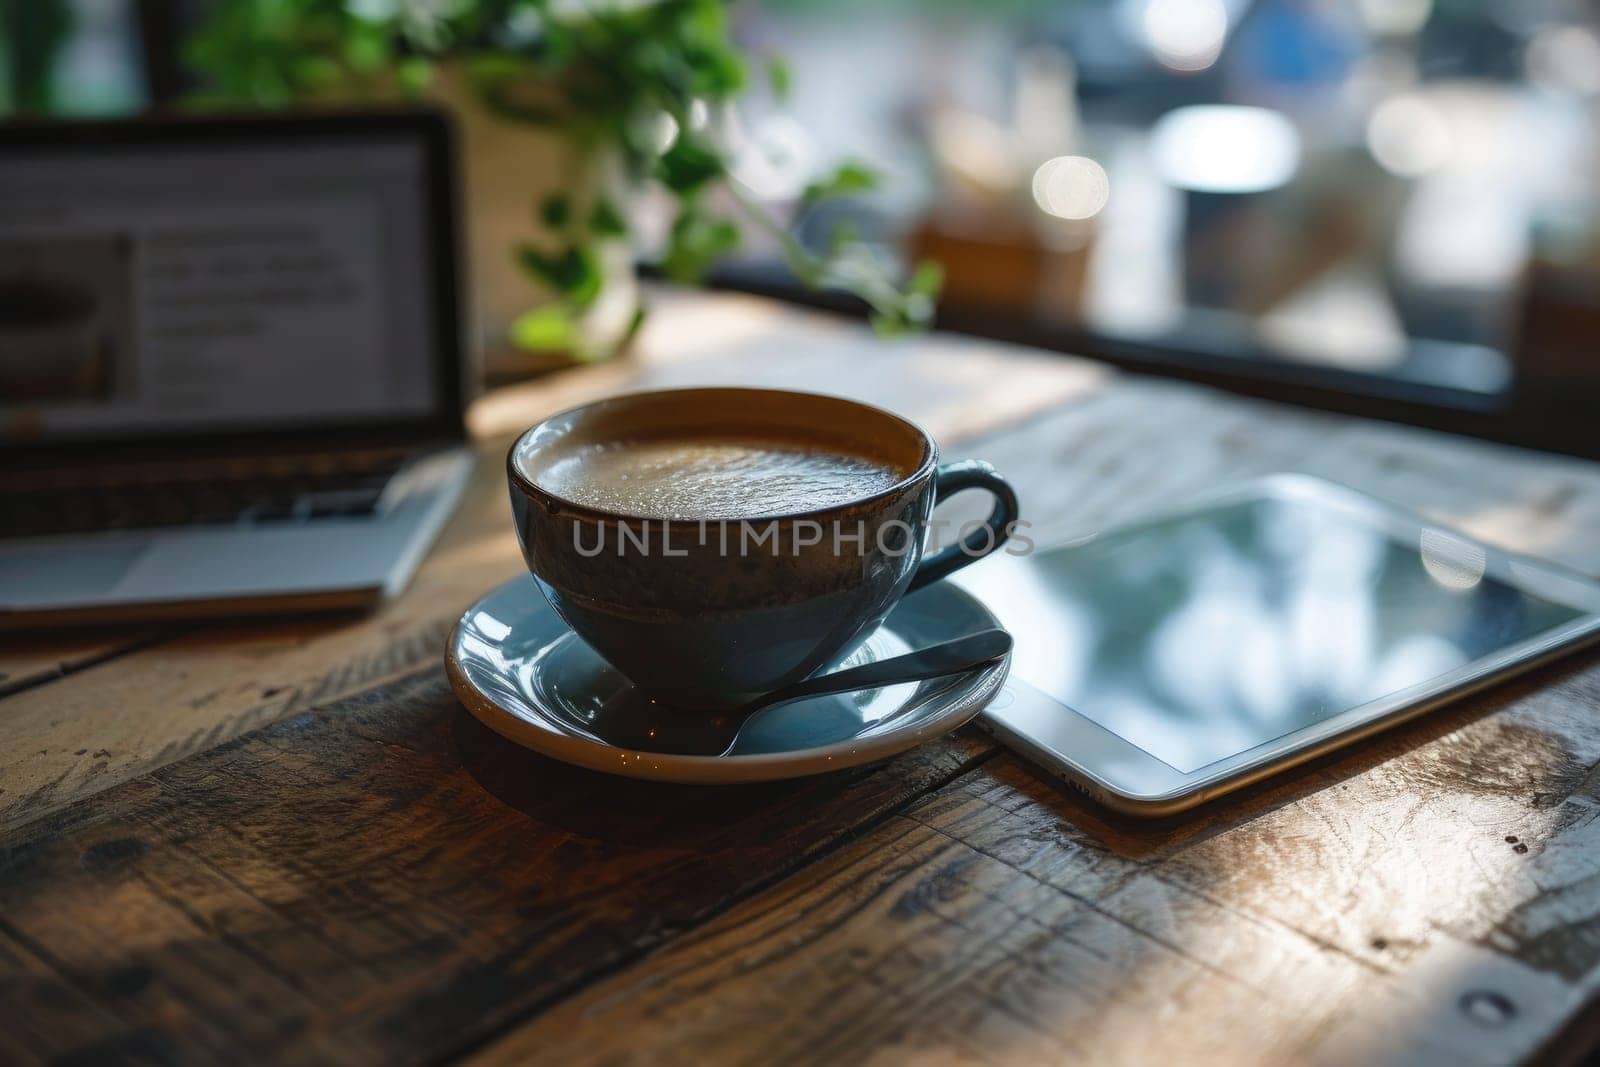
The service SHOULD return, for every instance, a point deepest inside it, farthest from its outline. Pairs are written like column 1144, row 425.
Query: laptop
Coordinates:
column 230, row 364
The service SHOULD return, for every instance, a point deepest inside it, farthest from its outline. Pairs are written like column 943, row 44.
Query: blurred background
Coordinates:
column 1383, row 206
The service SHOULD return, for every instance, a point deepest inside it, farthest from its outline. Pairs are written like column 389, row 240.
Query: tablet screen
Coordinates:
column 1205, row 635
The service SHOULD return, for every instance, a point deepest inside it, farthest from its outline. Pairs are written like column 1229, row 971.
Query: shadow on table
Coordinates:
column 1498, row 757
column 1341, row 907
column 626, row 811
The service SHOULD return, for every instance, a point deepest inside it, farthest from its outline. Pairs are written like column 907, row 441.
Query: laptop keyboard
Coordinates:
column 289, row 489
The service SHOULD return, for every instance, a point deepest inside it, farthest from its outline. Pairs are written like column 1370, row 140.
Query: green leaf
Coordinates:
column 367, row 48
column 779, row 78
column 716, row 75
column 600, row 72
column 635, row 323
column 890, row 324
column 849, row 178
column 315, row 72
column 414, row 74
column 695, row 242
column 554, row 49
column 574, row 273
column 688, row 164
column 845, row 232
column 494, row 67
column 606, row 220
column 551, row 328
column 927, row 279
column 556, row 211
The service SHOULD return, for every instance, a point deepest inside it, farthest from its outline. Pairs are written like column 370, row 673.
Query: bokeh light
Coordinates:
column 1408, row 136
column 1565, row 58
column 774, row 156
column 1071, row 187
column 663, row 130
column 1221, row 148
column 1452, row 561
column 1395, row 18
column 1185, row 35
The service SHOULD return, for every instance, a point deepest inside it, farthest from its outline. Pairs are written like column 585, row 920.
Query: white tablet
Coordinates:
column 1163, row 663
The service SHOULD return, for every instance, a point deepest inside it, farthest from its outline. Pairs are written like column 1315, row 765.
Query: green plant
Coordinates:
column 646, row 80
column 31, row 37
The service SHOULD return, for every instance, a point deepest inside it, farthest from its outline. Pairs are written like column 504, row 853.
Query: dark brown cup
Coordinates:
column 710, row 613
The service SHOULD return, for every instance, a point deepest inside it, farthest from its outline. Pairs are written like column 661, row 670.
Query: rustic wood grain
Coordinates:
column 1533, row 502
column 209, row 850
column 1385, row 906
column 382, row 879
column 31, row 659
column 1133, row 444
column 44, row 1018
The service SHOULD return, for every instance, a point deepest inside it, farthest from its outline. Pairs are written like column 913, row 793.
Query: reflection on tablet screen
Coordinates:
column 1211, row 633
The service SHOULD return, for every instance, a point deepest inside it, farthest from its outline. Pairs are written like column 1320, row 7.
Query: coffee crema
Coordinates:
column 715, row 475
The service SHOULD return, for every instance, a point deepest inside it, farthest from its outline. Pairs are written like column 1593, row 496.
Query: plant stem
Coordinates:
column 813, row 270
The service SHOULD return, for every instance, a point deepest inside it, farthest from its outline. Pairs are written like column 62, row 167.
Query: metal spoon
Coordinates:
column 642, row 725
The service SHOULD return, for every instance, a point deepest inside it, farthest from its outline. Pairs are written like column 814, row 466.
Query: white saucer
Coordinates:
column 523, row 673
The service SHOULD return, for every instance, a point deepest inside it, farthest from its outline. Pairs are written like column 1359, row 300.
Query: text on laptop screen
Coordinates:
column 210, row 288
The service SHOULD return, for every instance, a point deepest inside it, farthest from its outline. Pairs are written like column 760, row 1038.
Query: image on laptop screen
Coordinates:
column 214, row 287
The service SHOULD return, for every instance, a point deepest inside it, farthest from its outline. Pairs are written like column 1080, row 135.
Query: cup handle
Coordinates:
column 951, row 479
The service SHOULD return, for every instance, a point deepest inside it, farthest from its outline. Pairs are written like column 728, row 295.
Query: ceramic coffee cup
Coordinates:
column 708, row 614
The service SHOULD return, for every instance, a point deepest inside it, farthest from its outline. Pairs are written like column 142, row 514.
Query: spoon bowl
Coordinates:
column 630, row 720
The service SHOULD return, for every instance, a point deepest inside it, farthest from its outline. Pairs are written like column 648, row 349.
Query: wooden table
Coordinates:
column 288, row 842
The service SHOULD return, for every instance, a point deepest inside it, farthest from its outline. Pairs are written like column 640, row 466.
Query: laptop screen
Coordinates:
column 217, row 284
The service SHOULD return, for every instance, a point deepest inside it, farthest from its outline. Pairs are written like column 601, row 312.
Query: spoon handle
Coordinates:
column 949, row 657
